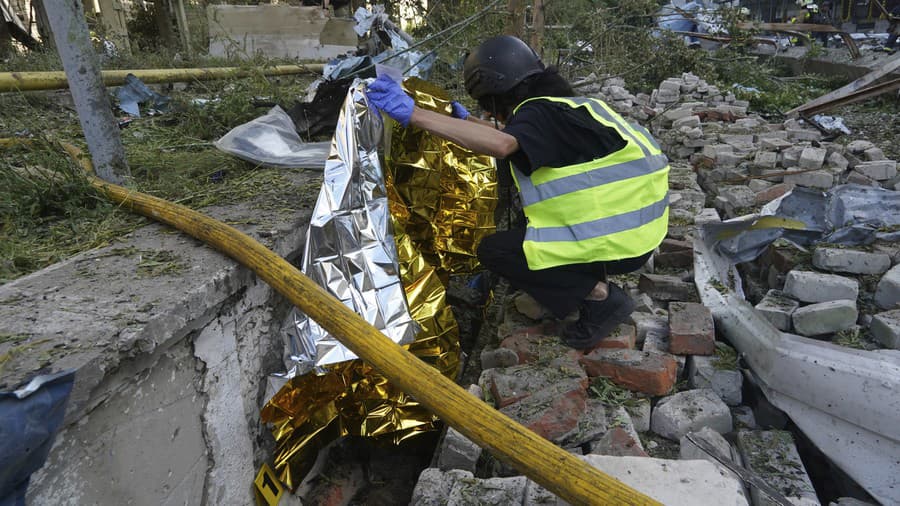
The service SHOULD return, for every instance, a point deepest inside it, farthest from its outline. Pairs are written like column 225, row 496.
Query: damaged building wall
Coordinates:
column 278, row 31
column 171, row 343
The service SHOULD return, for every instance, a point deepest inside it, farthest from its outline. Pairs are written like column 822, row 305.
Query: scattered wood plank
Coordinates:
column 851, row 89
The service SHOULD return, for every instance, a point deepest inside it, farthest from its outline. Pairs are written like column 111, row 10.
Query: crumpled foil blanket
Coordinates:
column 363, row 254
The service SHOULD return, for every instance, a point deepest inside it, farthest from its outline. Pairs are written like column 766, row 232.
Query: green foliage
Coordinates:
column 610, row 393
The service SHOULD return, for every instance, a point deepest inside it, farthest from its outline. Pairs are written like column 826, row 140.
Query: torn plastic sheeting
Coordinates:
column 272, row 140
column 843, row 399
column 847, row 214
column 831, row 123
column 29, row 419
column 134, row 92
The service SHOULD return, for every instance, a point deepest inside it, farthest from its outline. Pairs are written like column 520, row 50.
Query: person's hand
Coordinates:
column 459, row 111
column 387, row 96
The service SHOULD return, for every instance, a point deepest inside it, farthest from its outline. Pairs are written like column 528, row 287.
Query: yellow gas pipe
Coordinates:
column 560, row 472
column 54, row 80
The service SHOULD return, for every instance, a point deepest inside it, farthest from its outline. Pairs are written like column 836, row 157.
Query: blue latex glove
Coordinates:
column 459, row 111
column 386, row 95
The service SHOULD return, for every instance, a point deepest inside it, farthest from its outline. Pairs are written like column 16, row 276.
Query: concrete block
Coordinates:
column 729, row 159
column 821, row 179
column 691, row 329
column 825, row 317
column 887, row 293
column 487, row 491
column 851, row 261
column 778, row 308
column 837, row 161
column 758, row 185
column 738, row 196
column 773, row 456
column 648, row 372
column 809, row 286
column 812, row 158
column 774, row 144
column 885, row 328
column 873, row 154
column 714, row 151
column 645, row 323
column 765, row 159
column 689, row 120
column 707, row 215
column 880, row 170
column 790, row 157
column 690, row 411
column 859, row 146
column 434, row 485
column 639, row 412
column 802, row 134
column 855, row 177
column 705, row 372
column 458, row 452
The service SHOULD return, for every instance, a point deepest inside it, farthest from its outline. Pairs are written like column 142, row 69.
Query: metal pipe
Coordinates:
column 56, row 80
column 564, row 474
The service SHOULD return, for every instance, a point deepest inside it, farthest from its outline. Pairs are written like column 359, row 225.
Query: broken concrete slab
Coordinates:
column 825, row 317
column 689, row 411
column 773, row 456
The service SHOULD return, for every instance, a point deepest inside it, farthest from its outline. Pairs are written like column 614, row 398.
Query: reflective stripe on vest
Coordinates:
column 610, row 208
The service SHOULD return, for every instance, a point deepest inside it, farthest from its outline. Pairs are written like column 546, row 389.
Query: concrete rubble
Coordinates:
column 626, row 406
column 725, row 162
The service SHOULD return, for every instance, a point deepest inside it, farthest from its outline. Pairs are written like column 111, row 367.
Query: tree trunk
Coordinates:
column 43, row 24
column 5, row 39
column 537, row 25
column 515, row 23
column 164, row 23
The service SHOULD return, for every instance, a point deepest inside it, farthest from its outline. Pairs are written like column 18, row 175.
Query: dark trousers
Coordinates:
column 559, row 289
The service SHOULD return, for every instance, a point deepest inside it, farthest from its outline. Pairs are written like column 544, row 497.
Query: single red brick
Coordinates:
column 512, row 384
column 691, row 329
column 533, row 344
column 552, row 412
column 773, row 192
column 624, row 336
column 640, row 371
column 618, row 442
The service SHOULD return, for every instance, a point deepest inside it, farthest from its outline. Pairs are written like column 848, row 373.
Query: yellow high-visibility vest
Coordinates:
column 610, row 208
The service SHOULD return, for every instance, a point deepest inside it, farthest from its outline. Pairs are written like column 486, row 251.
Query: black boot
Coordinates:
column 598, row 319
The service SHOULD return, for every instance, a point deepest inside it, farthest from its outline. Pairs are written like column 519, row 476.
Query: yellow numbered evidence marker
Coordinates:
column 268, row 488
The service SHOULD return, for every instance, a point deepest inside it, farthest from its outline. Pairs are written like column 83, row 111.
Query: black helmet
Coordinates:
column 498, row 65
